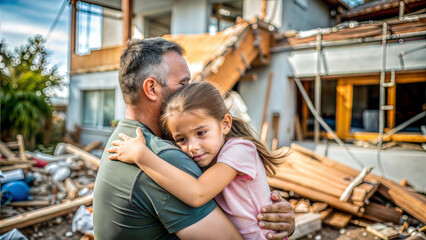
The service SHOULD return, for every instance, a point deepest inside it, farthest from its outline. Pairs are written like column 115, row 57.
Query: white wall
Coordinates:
column 92, row 81
column 112, row 29
column 315, row 15
column 190, row 16
column 282, row 98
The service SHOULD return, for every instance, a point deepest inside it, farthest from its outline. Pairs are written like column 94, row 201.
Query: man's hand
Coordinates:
column 278, row 216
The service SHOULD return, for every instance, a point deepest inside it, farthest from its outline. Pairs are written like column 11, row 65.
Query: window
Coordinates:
column 98, row 108
column 89, row 27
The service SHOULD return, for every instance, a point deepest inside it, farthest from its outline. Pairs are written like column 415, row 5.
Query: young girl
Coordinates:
column 232, row 159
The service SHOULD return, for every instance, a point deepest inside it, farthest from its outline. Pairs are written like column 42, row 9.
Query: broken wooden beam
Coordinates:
column 35, row 203
column 92, row 146
column 20, row 141
column 43, row 214
column 316, row 196
column 88, row 157
column 5, row 151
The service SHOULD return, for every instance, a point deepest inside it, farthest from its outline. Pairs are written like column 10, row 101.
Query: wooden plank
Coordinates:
column 382, row 231
column 397, row 137
column 408, row 201
column 71, row 188
column 43, row 214
column 379, row 213
column 408, row 137
column 227, row 74
column 264, row 131
column 101, row 60
column 317, row 174
column 22, row 154
column 338, row 219
column 275, row 127
column 307, row 181
column 6, row 152
column 92, row 159
column 316, row 196
column 405, row 199
column 16, row 166
column 318, row 207
column 92, row 146
column 298, row 129
column 39, row 203
column 304, row 109
column 344, row 101
column 391, row 102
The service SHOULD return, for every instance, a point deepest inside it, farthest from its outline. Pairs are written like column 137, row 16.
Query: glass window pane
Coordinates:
column 90, row 108
column 108, row 107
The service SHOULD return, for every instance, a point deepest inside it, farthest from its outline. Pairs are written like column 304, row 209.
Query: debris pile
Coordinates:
column 38, row 187
column 341, row 195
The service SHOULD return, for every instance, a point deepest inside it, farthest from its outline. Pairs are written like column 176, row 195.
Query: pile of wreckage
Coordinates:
column 341, row 195
column 38, row 187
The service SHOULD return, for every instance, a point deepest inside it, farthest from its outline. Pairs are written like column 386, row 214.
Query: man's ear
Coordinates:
column 150, row 88
column 226, row 123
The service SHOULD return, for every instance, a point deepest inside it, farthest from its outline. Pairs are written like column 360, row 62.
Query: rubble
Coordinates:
column 371, row 207
column 39, row 189
column 379, row 206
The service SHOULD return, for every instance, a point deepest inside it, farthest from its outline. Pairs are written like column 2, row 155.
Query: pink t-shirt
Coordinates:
column 242, row 199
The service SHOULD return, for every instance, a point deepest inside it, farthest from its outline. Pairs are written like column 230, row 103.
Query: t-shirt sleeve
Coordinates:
column 173, row 213
column 241, row 155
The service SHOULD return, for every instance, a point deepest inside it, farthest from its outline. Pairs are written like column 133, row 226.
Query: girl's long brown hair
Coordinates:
column 205, row 96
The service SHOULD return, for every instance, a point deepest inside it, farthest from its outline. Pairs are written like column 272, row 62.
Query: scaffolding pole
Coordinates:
column 318, row 88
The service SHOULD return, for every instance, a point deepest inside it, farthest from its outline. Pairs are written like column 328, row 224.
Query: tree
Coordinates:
column 26, row 85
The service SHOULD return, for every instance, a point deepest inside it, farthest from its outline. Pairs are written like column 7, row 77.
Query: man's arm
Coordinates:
column 214, row 226
column 278, row 216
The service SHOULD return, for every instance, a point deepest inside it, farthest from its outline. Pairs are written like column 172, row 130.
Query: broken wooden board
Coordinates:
column 338, row 219
column 43, row 214
column 6, row 152
column 382, row 231
column 88, row 157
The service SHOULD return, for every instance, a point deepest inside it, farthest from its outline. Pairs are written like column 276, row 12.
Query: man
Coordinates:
column 127, row 203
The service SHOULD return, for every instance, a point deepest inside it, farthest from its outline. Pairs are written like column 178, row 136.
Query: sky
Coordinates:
column 23, row 19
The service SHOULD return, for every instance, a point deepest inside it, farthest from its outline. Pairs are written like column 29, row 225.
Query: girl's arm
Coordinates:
column 194, row 192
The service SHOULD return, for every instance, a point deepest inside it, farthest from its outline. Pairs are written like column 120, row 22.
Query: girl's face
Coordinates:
column 199, row 135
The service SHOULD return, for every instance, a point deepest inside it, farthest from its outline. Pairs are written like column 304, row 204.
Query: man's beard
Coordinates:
column 164, row 97
column 165, row 94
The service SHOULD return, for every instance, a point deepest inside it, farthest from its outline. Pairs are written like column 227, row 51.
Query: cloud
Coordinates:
column 31, row 30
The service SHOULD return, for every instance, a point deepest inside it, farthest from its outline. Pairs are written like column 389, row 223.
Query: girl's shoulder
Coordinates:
column 239, row 143
column 235, row 140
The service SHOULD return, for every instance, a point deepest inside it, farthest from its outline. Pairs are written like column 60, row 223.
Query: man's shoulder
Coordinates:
column 156, row 144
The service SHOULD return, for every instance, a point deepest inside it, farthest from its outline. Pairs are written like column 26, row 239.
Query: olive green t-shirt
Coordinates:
column 129, row 205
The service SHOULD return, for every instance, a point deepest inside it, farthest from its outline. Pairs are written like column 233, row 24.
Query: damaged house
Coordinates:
column 362, row 67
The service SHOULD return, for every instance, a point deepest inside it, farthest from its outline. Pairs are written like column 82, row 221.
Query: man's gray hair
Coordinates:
column 143, row 59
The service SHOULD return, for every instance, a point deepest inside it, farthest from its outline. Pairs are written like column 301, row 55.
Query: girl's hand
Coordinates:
column 130, row 149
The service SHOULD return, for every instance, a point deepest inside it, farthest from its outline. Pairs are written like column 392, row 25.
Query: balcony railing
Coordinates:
column 105, row 59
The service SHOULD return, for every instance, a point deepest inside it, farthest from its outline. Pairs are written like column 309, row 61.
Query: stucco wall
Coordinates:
column 282, row 98
column 190, row 16
column 92, row 81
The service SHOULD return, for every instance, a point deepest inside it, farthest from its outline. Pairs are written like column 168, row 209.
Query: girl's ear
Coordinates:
column 226, row 123
column 150, row 88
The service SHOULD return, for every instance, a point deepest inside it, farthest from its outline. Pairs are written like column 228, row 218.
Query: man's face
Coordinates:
column 179, row 74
